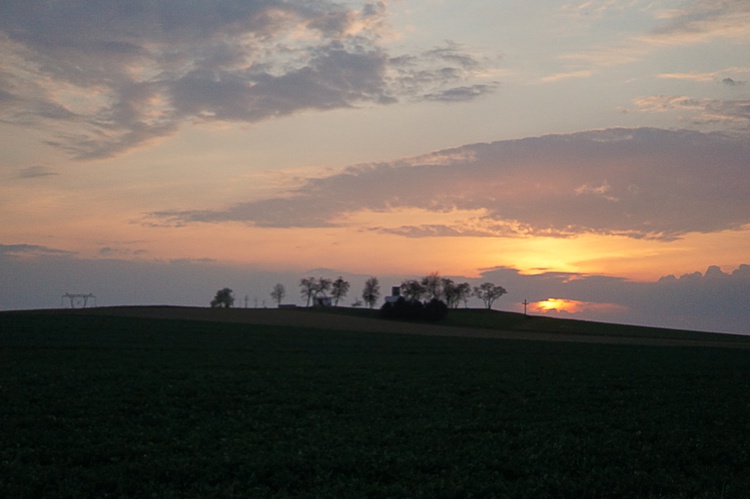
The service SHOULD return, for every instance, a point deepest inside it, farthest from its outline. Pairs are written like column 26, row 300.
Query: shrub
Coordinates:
column 414, row 310
column 435, row 310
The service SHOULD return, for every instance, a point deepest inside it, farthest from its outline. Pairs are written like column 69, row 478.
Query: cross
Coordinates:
column 524, row 306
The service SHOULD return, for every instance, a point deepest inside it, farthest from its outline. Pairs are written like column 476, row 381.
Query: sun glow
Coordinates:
column 557, row 305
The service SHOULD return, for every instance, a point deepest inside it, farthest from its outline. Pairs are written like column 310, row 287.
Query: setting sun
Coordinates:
column 555, row 304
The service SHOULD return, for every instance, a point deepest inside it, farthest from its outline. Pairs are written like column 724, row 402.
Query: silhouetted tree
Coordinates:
column 371, row 291
column 435, row 310
column 488, row 293
column 339, row 289
column 323, row 286
column 402, row 310
column 455, row 293
column 433, row 286
column 414, row 310
column 278, row 293
column 463, row 293
column 307, row 286
column 223, row 299
column 412, row 289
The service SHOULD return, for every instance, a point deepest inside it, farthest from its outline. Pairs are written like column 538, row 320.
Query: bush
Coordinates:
column 435, row 310
column 414, row 310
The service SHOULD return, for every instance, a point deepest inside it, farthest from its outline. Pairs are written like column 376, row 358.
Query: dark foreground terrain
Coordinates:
column 96, row 404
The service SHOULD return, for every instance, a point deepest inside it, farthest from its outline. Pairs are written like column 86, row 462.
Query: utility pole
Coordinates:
column 524, row 306
column 78, row 299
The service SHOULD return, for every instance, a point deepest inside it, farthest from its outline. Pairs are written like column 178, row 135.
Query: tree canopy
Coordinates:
column 488, row 293
column 223, row 299
column 339, row 289
column 278, row 293
column 371, row 291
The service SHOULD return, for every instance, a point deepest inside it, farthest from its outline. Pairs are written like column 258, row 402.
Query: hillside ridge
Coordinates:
column 472, row 323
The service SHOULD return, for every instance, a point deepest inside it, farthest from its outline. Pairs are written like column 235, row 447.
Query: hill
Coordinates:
column 475, row 323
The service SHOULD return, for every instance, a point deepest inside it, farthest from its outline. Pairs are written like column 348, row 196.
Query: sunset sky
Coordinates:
column 592, row 157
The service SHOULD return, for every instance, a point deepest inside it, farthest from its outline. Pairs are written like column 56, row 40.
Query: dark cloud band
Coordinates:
column 640, row 183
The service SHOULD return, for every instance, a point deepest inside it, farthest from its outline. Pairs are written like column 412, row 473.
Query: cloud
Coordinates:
column 110, row 252
column 710, row 301
column 699, row 22
column 22, row 250
column 699, row 77
column 460, row 94
column 703, row 78
column 104, row 77
column 702, row 21
column 727, row 113
column 639, row 183
column 732, row 83
column 583, row 73
column 436, row 74
column 192, row 261
column 35, row 171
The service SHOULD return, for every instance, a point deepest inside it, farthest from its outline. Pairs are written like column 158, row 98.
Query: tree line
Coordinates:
column 429, row 288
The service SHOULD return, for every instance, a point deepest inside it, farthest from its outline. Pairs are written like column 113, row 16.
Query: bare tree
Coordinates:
column 223, row 299
column 463, row 293
column 455, row 293
column 278, row 293
column 488, row 293
column 412, row 290
column 323, row 286
column 308, row 286
column 339, row 289
column 433, row 286
column 371, row 292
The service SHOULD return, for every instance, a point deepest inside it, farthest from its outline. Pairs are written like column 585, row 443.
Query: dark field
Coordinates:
column 98, row 406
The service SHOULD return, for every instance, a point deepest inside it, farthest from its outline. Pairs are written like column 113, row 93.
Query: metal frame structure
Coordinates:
column 78, row 300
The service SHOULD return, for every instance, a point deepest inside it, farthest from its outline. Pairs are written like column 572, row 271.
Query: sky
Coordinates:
column 592, row 157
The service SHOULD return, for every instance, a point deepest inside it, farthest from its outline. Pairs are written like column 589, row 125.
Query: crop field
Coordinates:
column 98, row 406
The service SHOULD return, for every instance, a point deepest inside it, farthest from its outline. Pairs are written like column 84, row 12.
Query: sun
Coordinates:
column 556, row 304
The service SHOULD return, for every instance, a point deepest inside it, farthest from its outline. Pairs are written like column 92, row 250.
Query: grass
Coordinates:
column 123, row 407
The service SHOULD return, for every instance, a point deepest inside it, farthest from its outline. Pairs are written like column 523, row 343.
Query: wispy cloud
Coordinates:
column 702, row 21
column 105, row 78
column 35, row 171
column 701, row 77
column 704, row 78
column 118, row 252
column 583, row 73
column 20, row 250
column 727, row 113
column 730, row 82
column 437, row 74
column 597, row 9
column 640, row 183
column 698, row 22
column 460, row 94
